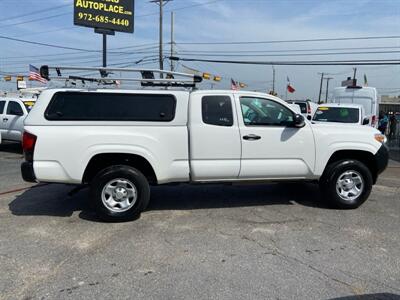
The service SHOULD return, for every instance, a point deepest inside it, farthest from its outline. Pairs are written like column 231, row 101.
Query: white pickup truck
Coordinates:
column 122, row 141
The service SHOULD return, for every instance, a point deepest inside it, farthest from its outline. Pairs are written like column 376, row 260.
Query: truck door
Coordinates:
column 271, row 147
column 215, row 147
column 14, row 121
column 3, row 119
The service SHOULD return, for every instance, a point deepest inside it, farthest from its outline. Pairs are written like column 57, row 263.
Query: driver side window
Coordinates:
column 14, row 109
column 264, row 112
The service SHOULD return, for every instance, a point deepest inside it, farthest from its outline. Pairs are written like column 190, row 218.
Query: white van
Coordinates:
column 365, row 96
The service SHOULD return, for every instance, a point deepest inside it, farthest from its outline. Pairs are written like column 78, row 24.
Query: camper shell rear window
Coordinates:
column 91, row 106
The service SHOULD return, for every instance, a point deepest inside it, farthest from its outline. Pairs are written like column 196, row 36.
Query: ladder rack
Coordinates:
column 147, row 78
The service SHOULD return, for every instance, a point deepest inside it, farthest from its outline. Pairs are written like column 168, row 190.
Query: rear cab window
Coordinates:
column 217, row 110
column 91, row 106
column 337, row 114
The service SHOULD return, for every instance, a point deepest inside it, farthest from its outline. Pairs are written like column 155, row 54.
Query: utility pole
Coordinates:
column 104, row 50
column 172, row 40
column 320, row 87
column 327, row 87
column 273, row 79
column 161, row 4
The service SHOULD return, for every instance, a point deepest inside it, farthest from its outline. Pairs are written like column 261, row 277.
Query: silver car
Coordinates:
column 13, row 112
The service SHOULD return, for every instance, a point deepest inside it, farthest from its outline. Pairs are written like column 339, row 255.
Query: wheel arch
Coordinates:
column 104, row 160
column 366, row 157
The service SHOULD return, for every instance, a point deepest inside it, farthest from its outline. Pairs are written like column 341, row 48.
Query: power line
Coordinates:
column 35, row 20
column 71, row 59
column 55, row 46
column 297, row 54
column 290, row 50
column 34, row 12
column 131, row 61
column 76, row 55
column 293, row 41
column 296, row 63
column 80, row 52
column 45, row 44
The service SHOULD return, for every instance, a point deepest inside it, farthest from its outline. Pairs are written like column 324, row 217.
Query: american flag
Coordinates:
column 35, row 75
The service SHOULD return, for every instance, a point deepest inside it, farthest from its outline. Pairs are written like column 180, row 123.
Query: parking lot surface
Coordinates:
column 274, row 241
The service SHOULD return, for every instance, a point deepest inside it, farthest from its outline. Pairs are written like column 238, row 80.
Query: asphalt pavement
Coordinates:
column 274, row 241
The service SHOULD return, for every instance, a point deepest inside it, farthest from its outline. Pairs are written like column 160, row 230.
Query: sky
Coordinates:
column 203, row 21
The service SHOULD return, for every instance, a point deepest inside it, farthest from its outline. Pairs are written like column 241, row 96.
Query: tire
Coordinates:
column 346, row 184
column 119, row 193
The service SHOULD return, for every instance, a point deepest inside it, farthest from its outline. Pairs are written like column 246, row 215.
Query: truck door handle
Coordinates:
column 252, row 137
column 5, row 120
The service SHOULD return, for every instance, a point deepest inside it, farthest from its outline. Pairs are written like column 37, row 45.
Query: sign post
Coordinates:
column 106, row 17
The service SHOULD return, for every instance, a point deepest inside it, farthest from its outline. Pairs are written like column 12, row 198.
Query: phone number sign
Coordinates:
column 116, row 15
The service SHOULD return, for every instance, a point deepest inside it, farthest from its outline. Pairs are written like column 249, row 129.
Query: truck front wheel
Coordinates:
column 346, row 184
column 119, row 193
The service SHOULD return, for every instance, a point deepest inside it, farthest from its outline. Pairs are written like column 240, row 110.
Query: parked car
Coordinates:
column 341, row 113
column 296, row 108
column 365, row 96
column 13, row 112
column 119, row 142
column 307, row 107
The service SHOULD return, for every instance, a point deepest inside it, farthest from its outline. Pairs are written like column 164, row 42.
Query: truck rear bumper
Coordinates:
column 27, row 172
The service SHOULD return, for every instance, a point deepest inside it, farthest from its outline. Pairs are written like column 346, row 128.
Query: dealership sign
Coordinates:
column 114, row 15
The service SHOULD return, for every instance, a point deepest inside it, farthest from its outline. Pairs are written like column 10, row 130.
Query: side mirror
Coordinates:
column 299, row 121
column 365, row 121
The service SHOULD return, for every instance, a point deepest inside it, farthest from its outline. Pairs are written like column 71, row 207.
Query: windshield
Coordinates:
column 337, row 114
column 367, row 102
column 29, row 105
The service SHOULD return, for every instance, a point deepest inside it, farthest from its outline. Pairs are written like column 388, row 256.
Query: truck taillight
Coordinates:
column 28, row 145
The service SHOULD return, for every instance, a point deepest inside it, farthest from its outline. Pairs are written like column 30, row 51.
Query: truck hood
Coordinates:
column 329, row 126
column 345, row 137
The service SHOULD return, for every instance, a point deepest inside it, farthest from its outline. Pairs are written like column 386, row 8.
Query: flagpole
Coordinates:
column 286, row 91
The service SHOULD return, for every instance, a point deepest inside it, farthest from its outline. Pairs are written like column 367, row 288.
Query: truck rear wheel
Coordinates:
column 346, row 184
column 119, row 193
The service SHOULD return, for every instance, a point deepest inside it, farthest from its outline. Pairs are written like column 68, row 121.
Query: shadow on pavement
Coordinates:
column 53, row 199
column 49, row 200
column 9, row 147
column 381, row 296
column 184, row 197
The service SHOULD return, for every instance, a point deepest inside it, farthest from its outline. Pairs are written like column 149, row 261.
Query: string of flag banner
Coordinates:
column 235, row 85
column 34, row 75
